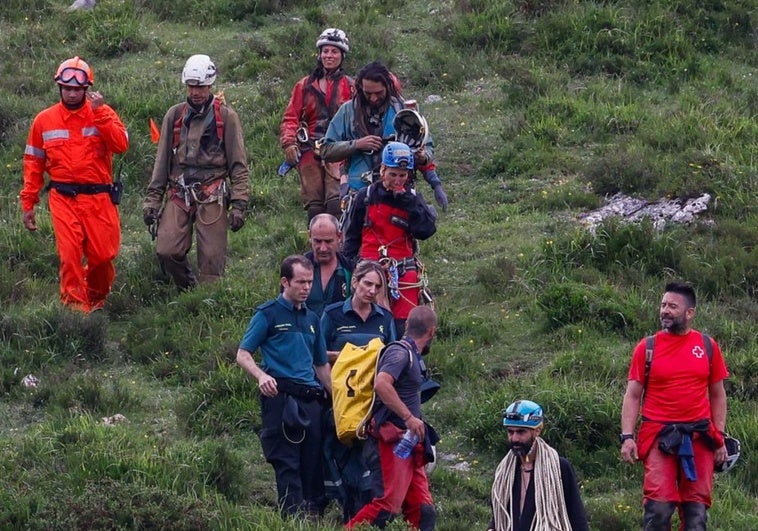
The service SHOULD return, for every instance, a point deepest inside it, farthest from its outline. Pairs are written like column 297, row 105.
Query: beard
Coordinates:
column 427, row 348
column 674, row 325
column 522, row 449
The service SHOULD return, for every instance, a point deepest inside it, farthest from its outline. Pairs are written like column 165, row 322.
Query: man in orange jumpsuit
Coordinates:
column 74, row 141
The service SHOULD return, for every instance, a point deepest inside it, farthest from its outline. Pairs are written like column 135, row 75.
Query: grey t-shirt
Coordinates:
column 402, row 364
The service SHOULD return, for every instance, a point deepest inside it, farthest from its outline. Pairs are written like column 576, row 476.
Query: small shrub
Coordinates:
column 628, row 171
column 536, row 8
column 18, row 10
column 225, row 402
column 88, row 393
column 212, row 12
column 496, row 277
column 110, row 30
column 109, row 504
column 488, row 26
column 598, row 306
column 522, row 83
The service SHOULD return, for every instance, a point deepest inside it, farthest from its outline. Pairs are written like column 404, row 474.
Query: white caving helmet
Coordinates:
column 199, row 70
column 333, row 37
column 732, row 454
column 411, row 129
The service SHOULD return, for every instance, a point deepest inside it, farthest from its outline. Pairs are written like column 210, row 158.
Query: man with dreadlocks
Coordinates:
column 534, row 488
column 315, row 99
column 364, row 125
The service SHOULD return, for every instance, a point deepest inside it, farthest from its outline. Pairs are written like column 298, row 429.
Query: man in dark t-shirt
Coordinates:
column 331, row 270
column 534, row 487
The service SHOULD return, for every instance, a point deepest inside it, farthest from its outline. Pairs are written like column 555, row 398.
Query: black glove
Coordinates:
column 149, row 215
column 344, row 190
column 237, row 215
column 404, row 199
column 441, row 197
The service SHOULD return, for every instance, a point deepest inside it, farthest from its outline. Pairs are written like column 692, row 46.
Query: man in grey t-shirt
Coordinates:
column 398, row 388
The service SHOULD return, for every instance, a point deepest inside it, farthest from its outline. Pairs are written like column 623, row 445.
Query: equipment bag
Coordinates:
column 353, row 388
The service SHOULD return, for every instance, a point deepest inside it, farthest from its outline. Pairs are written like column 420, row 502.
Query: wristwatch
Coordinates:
column 625, row 436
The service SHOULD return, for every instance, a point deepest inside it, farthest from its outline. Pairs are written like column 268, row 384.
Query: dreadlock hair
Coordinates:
column 377, row 72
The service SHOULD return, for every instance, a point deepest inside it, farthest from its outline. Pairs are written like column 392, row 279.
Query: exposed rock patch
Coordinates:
column 633, row 210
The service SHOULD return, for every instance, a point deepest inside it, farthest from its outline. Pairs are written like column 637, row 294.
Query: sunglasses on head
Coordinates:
column 76, row 75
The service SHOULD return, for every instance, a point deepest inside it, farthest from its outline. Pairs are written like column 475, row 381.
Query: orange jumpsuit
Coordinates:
column 76, row 148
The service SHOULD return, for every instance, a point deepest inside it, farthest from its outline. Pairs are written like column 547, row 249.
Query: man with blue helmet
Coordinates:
column 534, row 487
column 383, row 223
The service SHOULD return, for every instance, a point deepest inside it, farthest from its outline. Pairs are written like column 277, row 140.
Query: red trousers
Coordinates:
column 665, row 481
column 405, row 485
column 87, row 237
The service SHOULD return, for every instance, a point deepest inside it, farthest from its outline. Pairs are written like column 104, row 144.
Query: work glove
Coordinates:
column 441, row 197
column 149, row 215
column 237, row 215
column 292, row 154
column 344, row 190
column 434, row 181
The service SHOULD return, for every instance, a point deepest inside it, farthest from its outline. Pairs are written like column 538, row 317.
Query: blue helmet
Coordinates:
column 397, row 155
column 523, row 414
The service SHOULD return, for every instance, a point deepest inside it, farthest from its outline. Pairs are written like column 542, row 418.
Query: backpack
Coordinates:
column 650, row 343
column 353, row 394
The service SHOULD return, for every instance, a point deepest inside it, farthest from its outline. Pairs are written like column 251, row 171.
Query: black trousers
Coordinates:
column 295, row 454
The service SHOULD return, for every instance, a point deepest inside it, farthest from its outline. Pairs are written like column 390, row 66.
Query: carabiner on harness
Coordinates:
column 393, row 277
column 302, row 133
column 393, row 281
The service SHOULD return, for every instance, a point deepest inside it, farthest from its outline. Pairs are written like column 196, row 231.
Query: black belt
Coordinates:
column 74, row 189
column 305, row 392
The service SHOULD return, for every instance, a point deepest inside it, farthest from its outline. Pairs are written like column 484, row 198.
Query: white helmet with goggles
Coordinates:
column 199, row 70
column 523, row 414
column 333, row 37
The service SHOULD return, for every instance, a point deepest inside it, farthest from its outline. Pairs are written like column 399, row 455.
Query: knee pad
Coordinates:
column 428, row 518
column 658, row 515
column 695, row 516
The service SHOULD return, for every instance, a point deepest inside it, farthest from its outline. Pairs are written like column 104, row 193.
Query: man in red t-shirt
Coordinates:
column 681, row 436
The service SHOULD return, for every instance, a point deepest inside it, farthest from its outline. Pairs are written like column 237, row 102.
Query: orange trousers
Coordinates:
column 87, row 237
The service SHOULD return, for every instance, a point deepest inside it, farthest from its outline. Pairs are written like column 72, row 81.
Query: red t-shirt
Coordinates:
column 677, row 389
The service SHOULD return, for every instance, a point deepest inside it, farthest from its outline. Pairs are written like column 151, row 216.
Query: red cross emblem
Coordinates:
column 697, row 351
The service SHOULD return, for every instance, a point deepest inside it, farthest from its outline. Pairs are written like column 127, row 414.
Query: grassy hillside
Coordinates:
column 542, row 108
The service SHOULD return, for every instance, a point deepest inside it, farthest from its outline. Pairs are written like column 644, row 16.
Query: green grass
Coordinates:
column 546, row 106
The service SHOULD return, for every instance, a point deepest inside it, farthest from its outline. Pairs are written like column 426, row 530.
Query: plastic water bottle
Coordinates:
column 284, row 168
column 404, row 446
